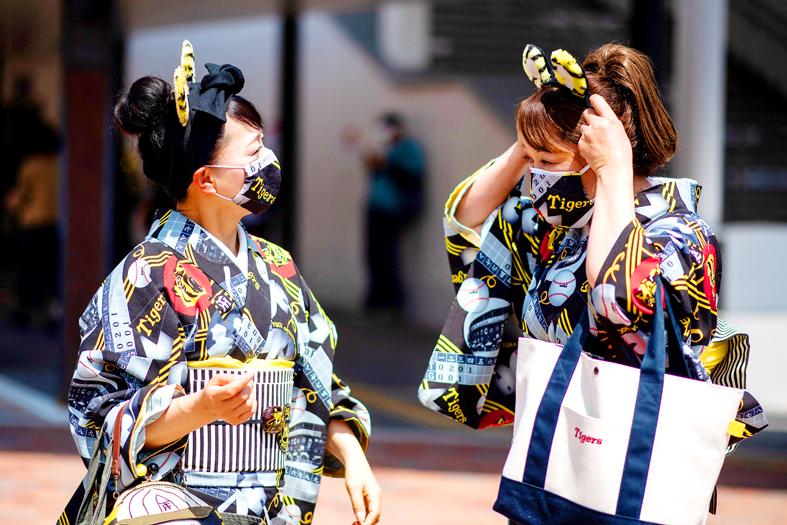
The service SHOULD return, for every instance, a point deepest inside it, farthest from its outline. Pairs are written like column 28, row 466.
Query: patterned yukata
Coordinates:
column 181, row 296
column 522, row 277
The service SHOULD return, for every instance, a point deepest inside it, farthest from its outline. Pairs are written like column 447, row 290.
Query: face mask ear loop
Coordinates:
column 217, row 194
column 583, row 170
column 215, row 191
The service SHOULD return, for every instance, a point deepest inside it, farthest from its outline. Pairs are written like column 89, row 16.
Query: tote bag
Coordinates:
column 604, row 443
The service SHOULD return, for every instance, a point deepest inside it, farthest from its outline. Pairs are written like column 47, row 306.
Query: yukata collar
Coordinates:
column 176, row 231
column 192, row 242
column 667, row 195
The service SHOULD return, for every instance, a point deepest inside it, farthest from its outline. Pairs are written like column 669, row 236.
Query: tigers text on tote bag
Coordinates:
column 603, row 443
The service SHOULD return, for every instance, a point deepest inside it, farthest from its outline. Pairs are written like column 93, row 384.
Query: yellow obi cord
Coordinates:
column 234, row 364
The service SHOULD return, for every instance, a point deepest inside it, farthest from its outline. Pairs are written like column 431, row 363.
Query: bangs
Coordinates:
column 244, row 111
column 549, row 119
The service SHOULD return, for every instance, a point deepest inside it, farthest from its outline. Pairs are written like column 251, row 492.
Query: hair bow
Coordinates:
column 211, row 95
column 202, row 106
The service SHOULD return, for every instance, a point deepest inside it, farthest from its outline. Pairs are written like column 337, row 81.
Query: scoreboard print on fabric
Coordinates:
column 178, row 298
column 522, row 276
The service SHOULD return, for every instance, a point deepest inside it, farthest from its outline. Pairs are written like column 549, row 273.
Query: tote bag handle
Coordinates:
column 101, row 472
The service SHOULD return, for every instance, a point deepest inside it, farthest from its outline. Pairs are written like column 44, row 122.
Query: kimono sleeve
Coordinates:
column 470, row 375
column 683, row 250
column 344, row 406
column 131, row 366
column 318, row 397
column 349, row 409
column 462, row 242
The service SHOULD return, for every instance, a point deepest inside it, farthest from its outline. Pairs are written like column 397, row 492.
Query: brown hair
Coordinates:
column 624, row 77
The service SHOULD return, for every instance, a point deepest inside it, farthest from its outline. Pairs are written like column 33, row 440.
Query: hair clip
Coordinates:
column 569, row 73
column 187, row 60
column 536, row 66
column 184, row 74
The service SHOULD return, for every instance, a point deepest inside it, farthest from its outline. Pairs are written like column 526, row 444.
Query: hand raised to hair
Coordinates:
column 604, row 143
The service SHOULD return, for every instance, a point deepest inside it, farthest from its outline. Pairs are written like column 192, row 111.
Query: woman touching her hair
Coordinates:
column 588, row 233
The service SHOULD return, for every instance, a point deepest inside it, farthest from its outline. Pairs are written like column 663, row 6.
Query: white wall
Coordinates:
column 340, row 87
column 252, row 44
column 753, row 267
column 754, row 298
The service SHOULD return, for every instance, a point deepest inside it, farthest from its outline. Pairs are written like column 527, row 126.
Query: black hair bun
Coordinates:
column 143, row 108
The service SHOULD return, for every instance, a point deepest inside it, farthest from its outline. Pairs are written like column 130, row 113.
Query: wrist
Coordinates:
column 197, row 404
column 352, row 457
column 614, row 168
column 342, row 442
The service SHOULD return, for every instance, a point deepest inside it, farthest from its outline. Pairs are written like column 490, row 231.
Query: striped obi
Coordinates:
column 258, row 445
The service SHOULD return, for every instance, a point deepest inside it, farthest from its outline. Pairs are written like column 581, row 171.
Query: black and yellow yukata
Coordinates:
column 522, row 277
column 179, row 298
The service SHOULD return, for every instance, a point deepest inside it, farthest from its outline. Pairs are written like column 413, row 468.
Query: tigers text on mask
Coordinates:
column 261, row 185
column 559, row 197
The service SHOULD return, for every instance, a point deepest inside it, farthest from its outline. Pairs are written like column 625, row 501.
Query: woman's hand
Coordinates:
column 606, row 147
column 225, row 397
column 492, row 187
column 365, row 494
column 604, row 143
column 229, row 398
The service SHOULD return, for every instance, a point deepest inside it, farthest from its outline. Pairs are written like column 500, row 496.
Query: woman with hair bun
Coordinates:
column 588, row 233
column 205, row 359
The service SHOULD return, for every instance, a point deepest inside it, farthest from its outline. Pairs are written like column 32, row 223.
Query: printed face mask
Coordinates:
column 261, row 185
column 560, row 198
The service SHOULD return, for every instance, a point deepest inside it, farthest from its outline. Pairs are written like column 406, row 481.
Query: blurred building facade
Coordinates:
column 452, row 68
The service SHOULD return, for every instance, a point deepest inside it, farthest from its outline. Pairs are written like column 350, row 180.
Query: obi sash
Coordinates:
column 259, row 444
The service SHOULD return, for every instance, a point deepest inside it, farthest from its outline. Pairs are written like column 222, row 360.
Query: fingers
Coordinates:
column 242, row 412
column 222, row 379
column 373, row 500
column 358, row 505
column 237, row 385
column 591, row 116
column 601, row 107
column 237, row 401
column 245, row 412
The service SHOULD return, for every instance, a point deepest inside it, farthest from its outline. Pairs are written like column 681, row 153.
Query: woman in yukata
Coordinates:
column 201, row 295
column 587, row 233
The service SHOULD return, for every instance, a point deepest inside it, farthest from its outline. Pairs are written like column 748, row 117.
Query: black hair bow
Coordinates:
column 208, row 101
column 212, row 94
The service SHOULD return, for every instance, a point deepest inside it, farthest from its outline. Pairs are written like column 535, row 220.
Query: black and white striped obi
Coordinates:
column 260, row 444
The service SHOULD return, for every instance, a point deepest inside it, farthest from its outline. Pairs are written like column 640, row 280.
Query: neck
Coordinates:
column 641, row 184
column 217, row 221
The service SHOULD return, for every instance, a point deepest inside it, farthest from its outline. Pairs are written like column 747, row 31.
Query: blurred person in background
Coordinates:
column 397, row 174
column 33, row 209
column 21, row 123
